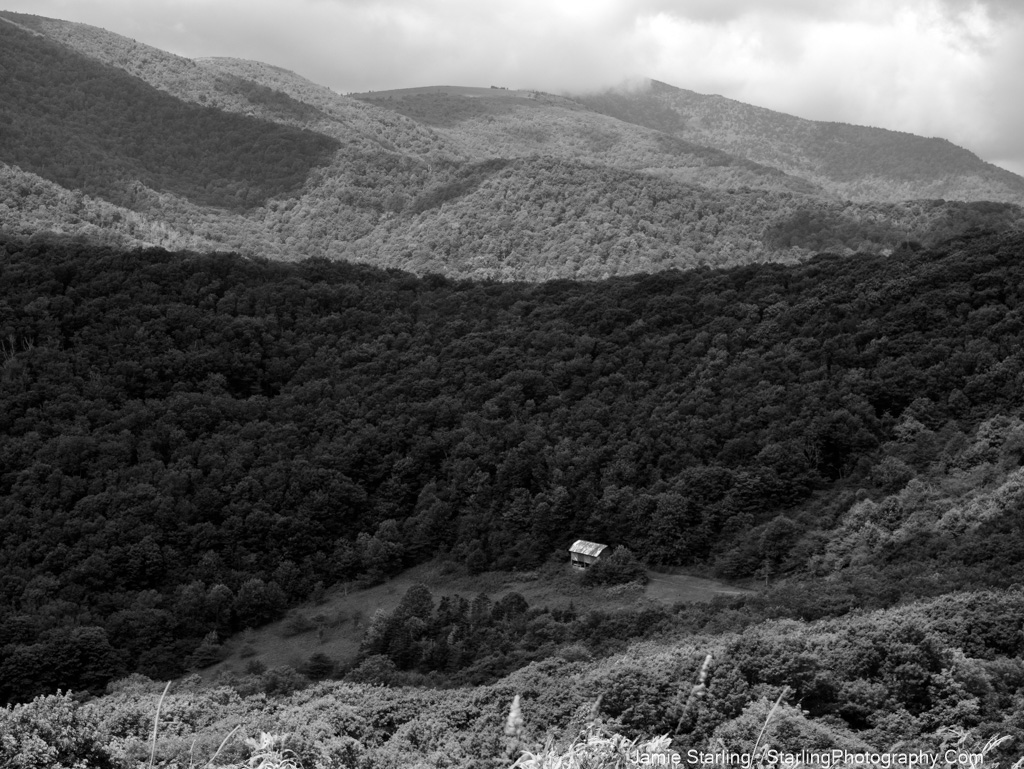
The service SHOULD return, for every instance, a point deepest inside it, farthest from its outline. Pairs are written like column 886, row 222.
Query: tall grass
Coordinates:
column 596, row 749
column 268, row 751
column 599, row 748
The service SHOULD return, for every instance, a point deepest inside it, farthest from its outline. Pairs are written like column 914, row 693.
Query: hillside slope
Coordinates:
column 142, row 147
column 247, row 88
column 180, row 432
column 486, row 123
column 91, row 127
column 855, row 162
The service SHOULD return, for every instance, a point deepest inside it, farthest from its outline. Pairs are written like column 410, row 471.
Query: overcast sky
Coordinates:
column 950, row 68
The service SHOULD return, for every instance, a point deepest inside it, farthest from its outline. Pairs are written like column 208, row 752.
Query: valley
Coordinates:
column 304, row 396
column 218, row 445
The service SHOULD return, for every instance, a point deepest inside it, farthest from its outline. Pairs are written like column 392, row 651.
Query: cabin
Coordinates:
column 583, row 554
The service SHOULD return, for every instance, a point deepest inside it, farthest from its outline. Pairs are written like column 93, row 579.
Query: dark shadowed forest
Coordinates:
column 192, row 443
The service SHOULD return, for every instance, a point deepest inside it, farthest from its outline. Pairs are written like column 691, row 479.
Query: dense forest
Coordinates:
column 91, row 127
column 191, row 443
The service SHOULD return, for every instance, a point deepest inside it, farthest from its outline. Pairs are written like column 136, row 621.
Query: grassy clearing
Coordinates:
column 335, row 625
column 684, row 588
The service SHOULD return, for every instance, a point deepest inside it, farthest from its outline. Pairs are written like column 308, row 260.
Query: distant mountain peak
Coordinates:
column 852, row 161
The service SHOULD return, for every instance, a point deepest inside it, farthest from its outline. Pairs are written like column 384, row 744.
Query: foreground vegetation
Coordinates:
column 893, row 680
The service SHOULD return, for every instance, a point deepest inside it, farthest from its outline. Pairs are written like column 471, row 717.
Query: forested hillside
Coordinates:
column 489, row 123
column 482, row 183
column 90, row 127
column 180, row 432
column 260, row 341
column 856, row 162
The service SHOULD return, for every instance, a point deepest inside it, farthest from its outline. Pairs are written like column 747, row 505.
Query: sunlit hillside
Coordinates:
column 472, row 182
column 851, row 161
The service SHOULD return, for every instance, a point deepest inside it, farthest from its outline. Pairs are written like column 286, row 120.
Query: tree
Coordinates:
column 476, row 558
column 892, row 474
column 209, row 652
column 319, row 667
column 417, row 602
column 381, row 553
column 258, row 603
column 219, row 600
column 378, row 669
column 509, row 606
column 778, row 539
column 619, row 567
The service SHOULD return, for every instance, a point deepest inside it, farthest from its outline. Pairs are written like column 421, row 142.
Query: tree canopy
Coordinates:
column 179, row 432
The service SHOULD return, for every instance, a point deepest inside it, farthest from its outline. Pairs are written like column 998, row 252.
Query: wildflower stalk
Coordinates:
column 156, row 725
column 696, row 690
column 768, row 720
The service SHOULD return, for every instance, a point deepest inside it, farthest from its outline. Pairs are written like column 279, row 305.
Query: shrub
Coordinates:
column 283, row 681
column 51, row 732
column 378, row 669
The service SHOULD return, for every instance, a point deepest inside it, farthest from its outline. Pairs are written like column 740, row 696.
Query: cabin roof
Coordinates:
column 582, row 547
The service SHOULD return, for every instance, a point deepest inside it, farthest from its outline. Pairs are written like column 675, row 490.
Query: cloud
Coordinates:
column 935, row 68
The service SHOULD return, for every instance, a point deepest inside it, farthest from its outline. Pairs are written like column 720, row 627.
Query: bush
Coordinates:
column 283, row 681
column 377, row 669
column 50, row 732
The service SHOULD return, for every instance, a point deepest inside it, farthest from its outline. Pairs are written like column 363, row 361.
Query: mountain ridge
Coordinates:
column 688, row 114
column 465, row 181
